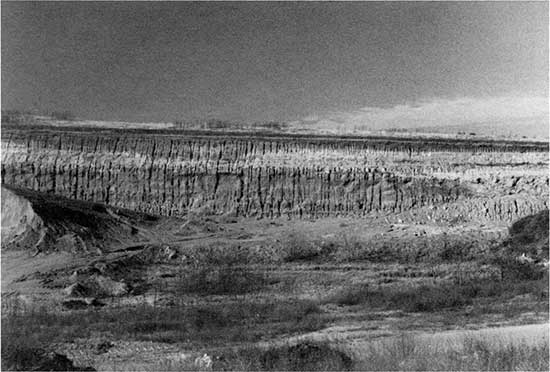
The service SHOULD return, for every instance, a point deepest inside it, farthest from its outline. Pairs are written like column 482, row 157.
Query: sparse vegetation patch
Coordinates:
column 428, row 298
column 213, row 324
column 407, row 353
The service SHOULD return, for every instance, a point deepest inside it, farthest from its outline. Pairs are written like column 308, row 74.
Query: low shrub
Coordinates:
column 297, row 247
column 513, row 269
column 19, row 357
column 428, row 298
column 217, row 255
column 220, row 280
column 303, row 356
column 420, row 299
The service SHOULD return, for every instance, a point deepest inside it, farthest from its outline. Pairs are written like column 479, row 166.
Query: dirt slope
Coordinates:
column 43, row 222
column 21, row 226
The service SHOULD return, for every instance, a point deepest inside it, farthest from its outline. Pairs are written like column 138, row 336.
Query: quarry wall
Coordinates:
column 271, row 177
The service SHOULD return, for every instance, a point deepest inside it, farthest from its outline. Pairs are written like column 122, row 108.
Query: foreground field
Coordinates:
column 334, row 293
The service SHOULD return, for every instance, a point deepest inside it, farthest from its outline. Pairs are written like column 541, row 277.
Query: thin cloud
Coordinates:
column 507, row 112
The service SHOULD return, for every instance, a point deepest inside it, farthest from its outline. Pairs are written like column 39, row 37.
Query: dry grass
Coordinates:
column 301, row 356
column 402, row 353
column 198, row 325
column 302, row 247
column 348, row 247
column 428, row 298
column 469, row 354
column 220, row 280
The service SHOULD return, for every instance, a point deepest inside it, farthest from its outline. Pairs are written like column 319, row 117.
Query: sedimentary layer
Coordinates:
column 246, row 175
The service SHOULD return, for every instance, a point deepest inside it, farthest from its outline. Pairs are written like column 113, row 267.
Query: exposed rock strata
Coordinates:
column 269, row 177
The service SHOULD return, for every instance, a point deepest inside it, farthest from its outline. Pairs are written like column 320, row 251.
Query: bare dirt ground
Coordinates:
column 332, row 279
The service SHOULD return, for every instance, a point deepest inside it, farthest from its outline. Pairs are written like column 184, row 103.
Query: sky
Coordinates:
column 351, row 64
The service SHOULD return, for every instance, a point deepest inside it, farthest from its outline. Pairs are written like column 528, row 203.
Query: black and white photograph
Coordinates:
column 274, row 185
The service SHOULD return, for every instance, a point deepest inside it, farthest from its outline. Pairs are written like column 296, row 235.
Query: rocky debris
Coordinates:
column 527, row 259
column 178, row 357
column 157, row 254
column 103, row 347
column 110, row 287
column 77, row 290
column 70, row 242
column 96, row 285
column 101, row 267
column 203, row 363
column 74, row 277
column 169, row 253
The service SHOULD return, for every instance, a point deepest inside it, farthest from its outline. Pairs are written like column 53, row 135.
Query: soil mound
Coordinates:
column 47, row 222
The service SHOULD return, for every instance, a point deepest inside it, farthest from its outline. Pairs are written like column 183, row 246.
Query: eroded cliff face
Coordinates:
column 269, row 177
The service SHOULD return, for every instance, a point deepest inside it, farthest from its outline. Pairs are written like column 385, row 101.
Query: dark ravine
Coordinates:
column 271, row 177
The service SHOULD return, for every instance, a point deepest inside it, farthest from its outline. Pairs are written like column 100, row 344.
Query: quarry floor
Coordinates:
column 38, row 281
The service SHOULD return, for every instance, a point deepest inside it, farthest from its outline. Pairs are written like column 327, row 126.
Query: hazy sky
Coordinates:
column 277, row 61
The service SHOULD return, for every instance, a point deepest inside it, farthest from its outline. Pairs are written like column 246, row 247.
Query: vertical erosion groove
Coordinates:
column 270, row 177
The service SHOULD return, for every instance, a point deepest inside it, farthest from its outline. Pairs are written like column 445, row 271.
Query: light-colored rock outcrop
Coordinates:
column 21, row 226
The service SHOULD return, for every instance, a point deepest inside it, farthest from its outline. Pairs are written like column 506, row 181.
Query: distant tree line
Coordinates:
column 28, row 117
column 16, row 117
column 63, row 115
column 228, row 125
